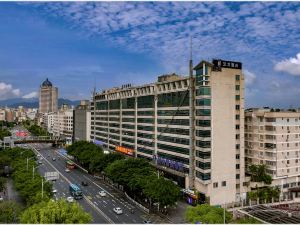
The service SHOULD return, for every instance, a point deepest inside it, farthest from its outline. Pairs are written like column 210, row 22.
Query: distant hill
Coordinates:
column 33, row 102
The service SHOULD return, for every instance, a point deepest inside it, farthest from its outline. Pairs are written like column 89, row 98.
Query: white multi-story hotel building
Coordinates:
column 272, row 137
column 191, row 128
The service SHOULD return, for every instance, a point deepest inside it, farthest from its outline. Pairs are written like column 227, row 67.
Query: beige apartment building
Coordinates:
column 63, row 123
column 272, row 137
column 190, row 128
column 48, row 97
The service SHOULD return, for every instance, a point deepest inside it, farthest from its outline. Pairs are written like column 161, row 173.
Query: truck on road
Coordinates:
column 75, row 191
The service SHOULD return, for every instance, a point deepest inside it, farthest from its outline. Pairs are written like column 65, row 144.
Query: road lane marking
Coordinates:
column 91, row 203
column 134, row 220
column 99, row 186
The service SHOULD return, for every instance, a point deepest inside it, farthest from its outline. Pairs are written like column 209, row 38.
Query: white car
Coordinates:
column 54, row 191
column 102, row 193
column 1, row 199
column 118, row 210
column 70, row 199
column 67, row 170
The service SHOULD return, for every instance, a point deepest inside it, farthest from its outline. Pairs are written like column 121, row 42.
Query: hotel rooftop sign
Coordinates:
column 218, row 64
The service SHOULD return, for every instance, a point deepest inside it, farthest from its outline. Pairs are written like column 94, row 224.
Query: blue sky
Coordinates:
column 80, row 44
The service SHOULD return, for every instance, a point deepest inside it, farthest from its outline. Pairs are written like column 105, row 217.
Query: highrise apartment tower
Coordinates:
column 153, row 121
column 48, row 97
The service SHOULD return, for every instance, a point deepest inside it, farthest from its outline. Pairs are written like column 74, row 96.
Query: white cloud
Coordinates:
column 31, row 95
column 291, row 65
column 250, row 78
column 7, row 91
column 162, row 29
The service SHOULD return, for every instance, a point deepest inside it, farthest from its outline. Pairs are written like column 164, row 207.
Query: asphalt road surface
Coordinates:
column 101, row 208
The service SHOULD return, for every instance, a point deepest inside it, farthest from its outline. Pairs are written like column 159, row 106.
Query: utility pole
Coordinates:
column 42, row 188
column 33, row 173
column 191, row 103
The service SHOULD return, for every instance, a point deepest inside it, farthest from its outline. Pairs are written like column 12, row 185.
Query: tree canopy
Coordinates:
column 52, row 212
column 9, row 212
column 207, row 214
column 37, row 130
column 259, row 174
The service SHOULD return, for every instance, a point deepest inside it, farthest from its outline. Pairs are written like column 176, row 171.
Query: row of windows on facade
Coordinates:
column 175, row 99
column 273, row 137
column 271, row 128
column 272, row 120
column 199, row 154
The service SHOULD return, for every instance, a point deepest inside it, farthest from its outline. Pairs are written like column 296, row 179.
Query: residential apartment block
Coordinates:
column 153, row 121
column 272, row 137
column 48, row 121
column 63, row 123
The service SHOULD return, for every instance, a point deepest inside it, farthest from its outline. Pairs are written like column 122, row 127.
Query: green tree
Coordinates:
column 161, row 190
column 9, row 212
column 52, row 212
column 4, row 133
column 207, row 214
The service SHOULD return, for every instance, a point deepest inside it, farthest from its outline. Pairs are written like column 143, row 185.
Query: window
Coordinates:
column 114, row 104
column 237, row 77
column 203, row 133
column 237, row 156
column 237, row 166
column 203, row 102
column 237, row 87
column 237, row 97
column 237, row 107
column 128, row 103
column 145, row 101
column 203, row 91
column 237, row 136
column 237, row 146
column 237, row 176
column 215, row 185
column 224, row 183
column 203, row 123
column 203, row 112
column 237, row 117
column 237, row 127
column 174, row 99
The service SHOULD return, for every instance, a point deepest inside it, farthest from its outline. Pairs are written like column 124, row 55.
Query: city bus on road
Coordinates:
column 75, row 191
column 70, row 165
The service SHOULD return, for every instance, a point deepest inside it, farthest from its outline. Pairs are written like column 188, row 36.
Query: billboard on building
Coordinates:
column 124, row 150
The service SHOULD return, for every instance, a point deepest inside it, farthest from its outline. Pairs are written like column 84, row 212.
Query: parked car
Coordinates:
column 70, row 199
column 102, row 193
column 84, row 183
column 53, row 159
column 67, row 170
column 118, row 210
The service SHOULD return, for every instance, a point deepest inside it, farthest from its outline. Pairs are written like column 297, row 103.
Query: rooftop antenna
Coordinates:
column 191, row 119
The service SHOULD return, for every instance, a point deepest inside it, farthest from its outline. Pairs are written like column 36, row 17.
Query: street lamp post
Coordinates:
column 33, row 171
column 27, row 162
column 42, row 187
